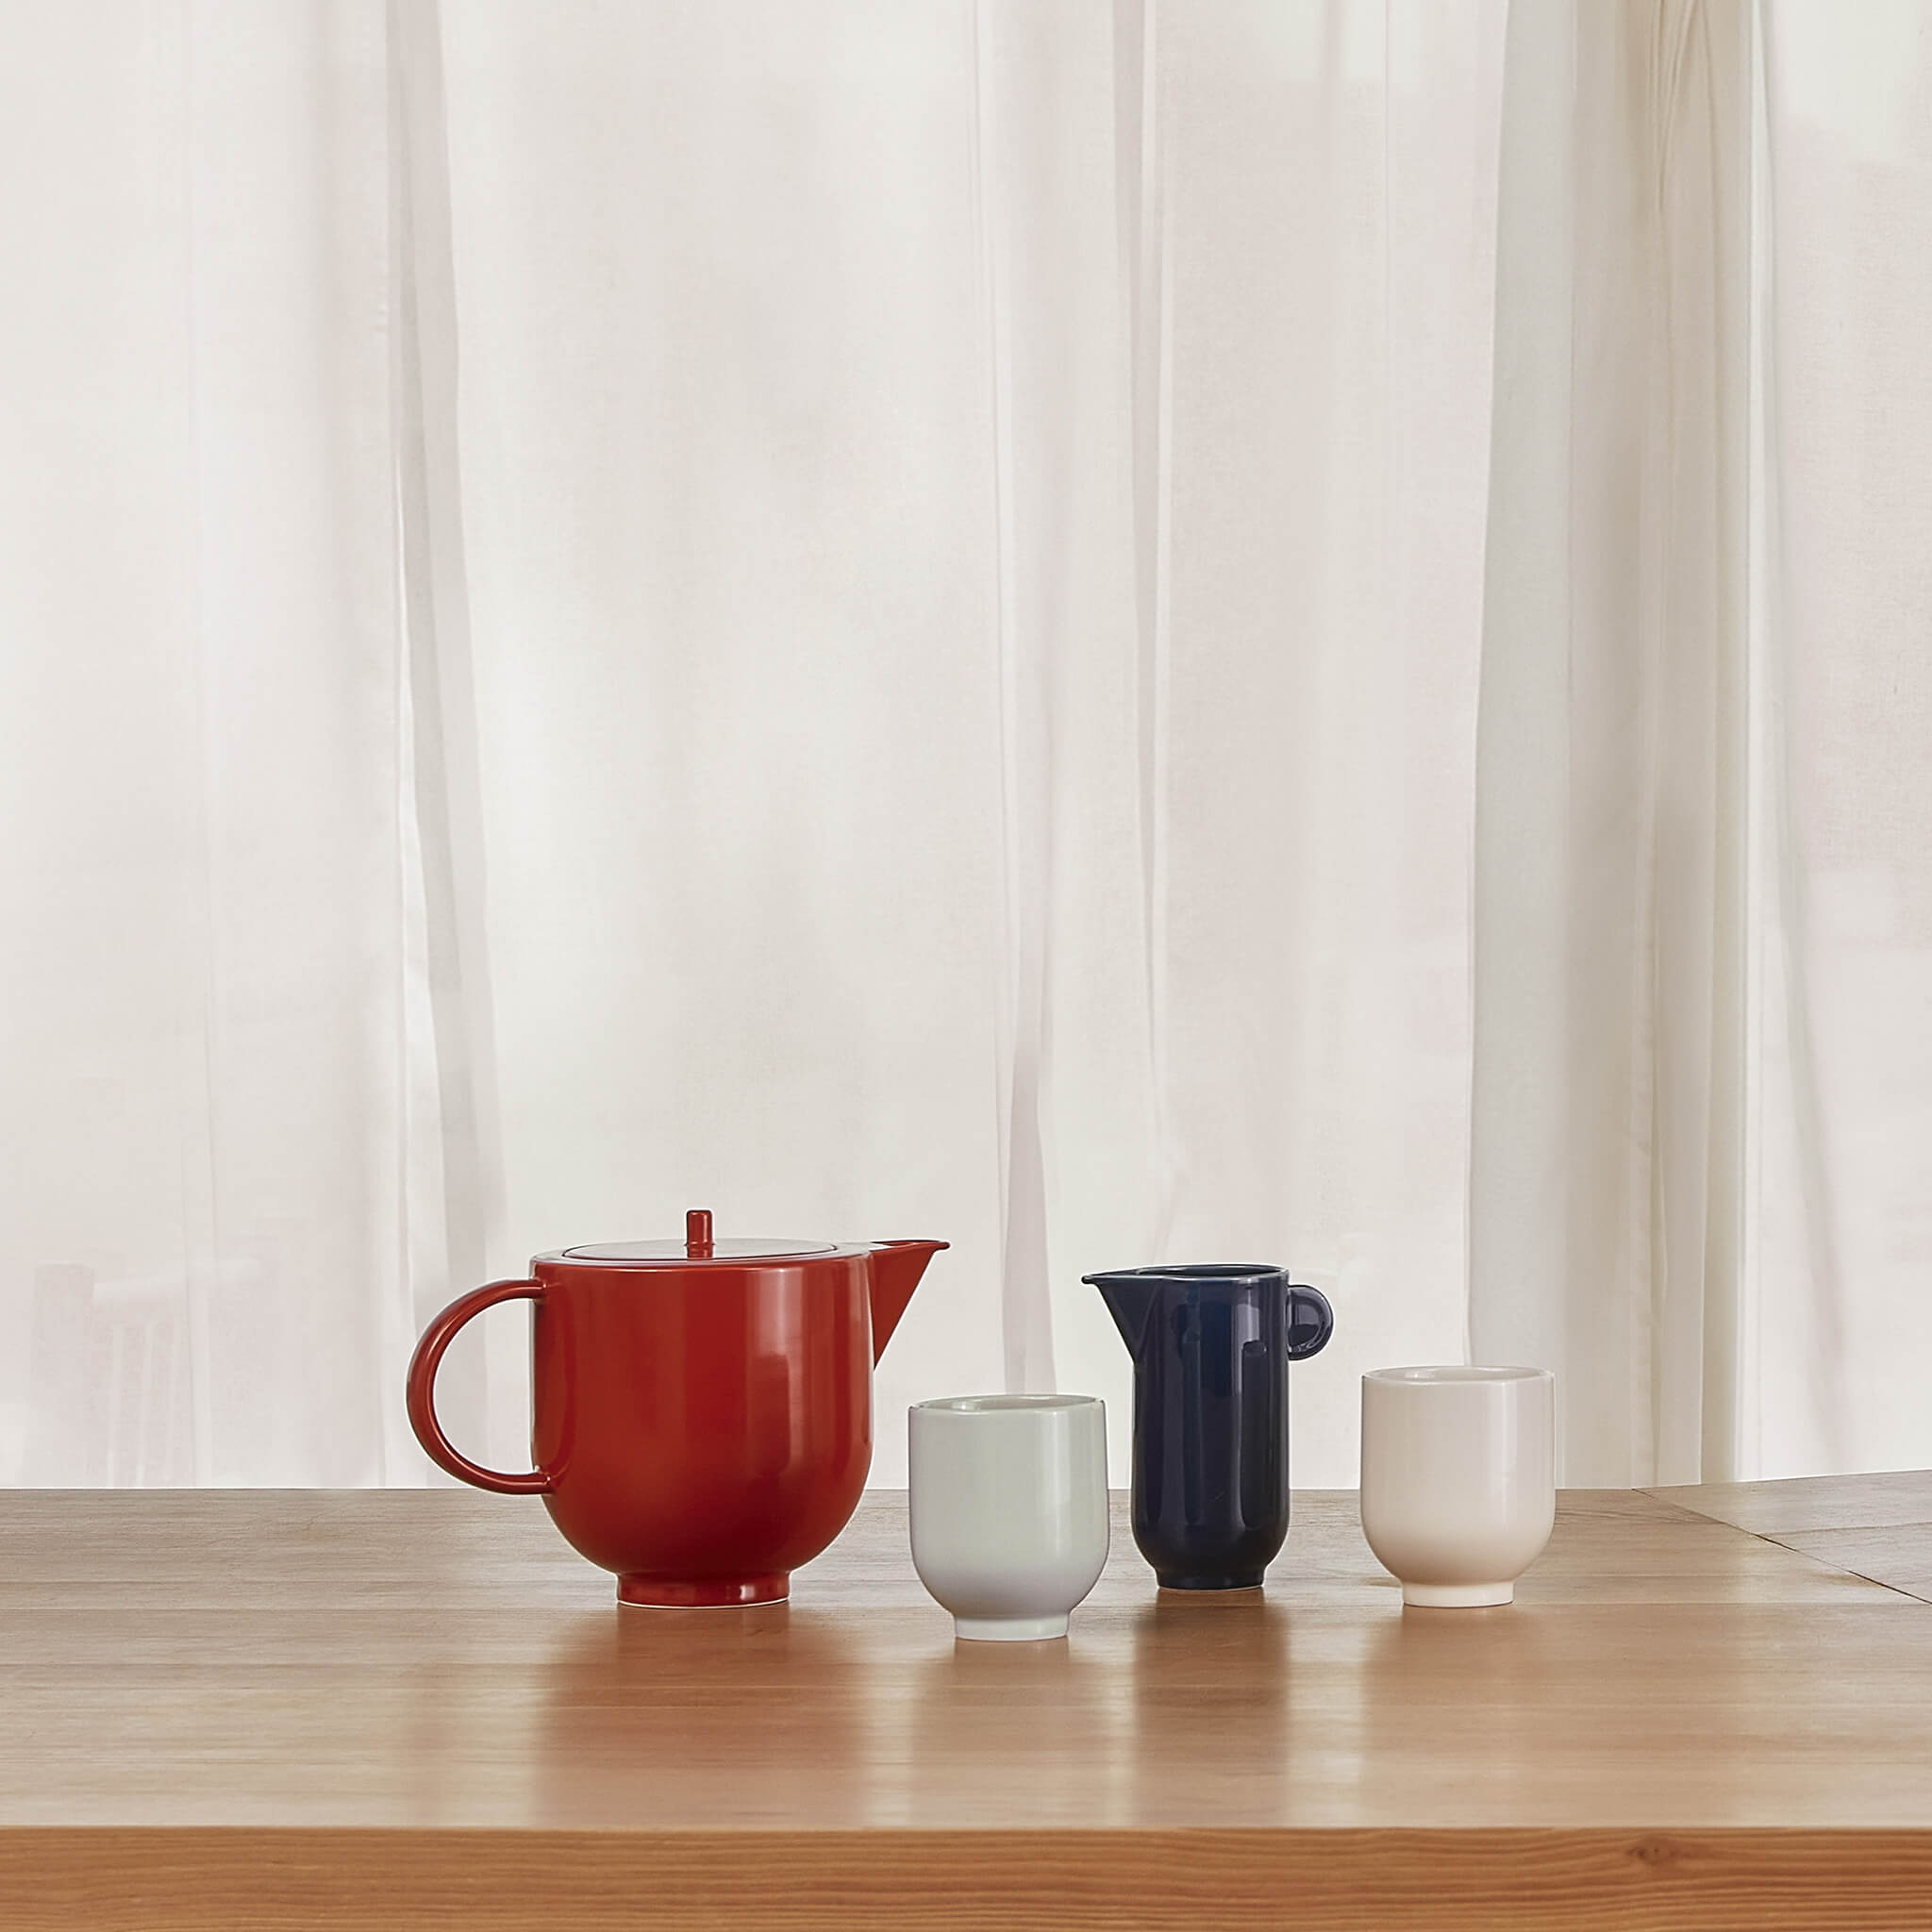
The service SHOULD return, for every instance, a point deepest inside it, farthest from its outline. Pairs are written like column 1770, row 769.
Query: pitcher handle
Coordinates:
column 1311, row 1322
column 422, row 1388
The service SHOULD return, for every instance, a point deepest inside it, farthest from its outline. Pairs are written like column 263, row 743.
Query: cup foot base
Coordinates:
column 705, row 1593
column 1007, row 1629
column 1457, row 1596
column 1175, row 1581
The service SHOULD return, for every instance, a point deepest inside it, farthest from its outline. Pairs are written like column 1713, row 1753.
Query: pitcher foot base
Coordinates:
column 706, row 1593
column 1218, row 1580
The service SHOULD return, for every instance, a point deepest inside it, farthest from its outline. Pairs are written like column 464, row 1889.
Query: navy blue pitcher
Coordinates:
column 1212, row 1345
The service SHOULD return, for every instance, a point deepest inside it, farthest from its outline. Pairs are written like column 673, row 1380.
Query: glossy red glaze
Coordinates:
column 702, row 1424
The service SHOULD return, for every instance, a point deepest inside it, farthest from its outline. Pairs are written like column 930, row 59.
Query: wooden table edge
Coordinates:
column 216, row 1877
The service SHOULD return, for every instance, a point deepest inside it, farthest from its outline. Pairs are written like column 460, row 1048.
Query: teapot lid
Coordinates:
column 698, row 1245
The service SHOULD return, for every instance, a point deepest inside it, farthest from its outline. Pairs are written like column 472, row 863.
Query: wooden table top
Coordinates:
column 384, row 1705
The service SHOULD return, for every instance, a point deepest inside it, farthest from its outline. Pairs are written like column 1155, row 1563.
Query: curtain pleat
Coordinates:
column 457, row 1225
column 1144, row 271
column 1026, row 752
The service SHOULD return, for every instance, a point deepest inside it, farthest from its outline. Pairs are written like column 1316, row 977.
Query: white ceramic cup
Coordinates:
column 1459, row 1479
column 1009, row 1508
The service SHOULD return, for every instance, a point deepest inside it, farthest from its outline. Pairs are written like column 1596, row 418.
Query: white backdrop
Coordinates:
column 872, row 617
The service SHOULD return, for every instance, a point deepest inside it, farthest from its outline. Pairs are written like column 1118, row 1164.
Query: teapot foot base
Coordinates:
column 1217, row 1580
column 704, row 1592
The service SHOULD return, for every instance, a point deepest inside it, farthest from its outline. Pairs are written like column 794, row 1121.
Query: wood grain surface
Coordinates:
column 271, row 1708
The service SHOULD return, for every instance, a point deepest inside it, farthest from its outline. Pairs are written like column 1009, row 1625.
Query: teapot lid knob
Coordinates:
column 698, row 1232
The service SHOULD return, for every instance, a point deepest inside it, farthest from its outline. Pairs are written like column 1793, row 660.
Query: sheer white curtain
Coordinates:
column 874, row 617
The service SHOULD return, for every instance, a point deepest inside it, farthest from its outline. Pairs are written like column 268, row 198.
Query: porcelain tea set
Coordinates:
column 701, row 1425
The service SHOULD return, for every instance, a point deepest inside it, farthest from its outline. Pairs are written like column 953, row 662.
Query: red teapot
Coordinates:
column 701, row 1415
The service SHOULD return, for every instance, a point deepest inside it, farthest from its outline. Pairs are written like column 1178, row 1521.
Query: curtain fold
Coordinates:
column 1027, row 502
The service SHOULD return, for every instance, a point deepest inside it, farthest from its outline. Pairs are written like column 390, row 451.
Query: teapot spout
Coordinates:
column 896, row 1267
column 1128, row 1298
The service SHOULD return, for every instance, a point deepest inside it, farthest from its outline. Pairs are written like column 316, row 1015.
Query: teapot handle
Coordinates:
column 422, row 1388
column 1311, row 1322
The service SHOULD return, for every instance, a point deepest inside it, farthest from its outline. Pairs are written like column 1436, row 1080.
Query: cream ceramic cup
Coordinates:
column 1459, row 1479
column 1009, row 1508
